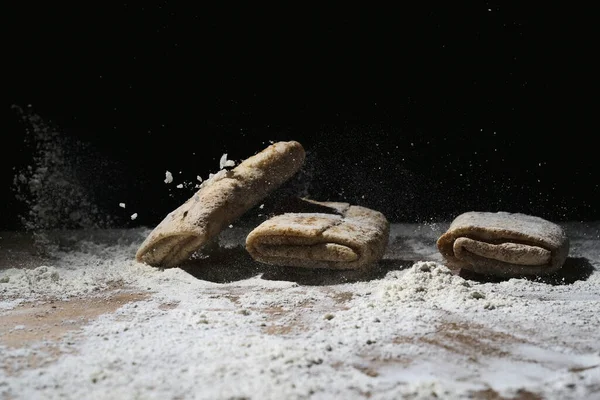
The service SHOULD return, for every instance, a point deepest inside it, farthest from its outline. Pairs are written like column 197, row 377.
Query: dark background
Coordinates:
column 420, row 111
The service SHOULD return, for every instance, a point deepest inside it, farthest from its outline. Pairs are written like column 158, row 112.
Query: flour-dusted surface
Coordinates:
column 226, row 327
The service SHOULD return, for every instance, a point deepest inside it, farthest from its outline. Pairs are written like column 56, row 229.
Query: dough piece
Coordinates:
column 347, row 237
column 219, row 201
column 504, row 244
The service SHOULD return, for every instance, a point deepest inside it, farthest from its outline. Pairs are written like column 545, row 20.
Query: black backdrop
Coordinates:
column 418, row 111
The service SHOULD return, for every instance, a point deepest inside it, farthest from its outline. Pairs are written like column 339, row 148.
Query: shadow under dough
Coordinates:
column 327, row 277
column 223, row 265
column 574, row 269
column 226, row 265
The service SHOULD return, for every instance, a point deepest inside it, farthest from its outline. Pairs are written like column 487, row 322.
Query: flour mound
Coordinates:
column 434, row 286
column 424, row 281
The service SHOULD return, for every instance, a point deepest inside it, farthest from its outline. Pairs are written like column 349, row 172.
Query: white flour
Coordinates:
column 52, row 186
column 410, row 332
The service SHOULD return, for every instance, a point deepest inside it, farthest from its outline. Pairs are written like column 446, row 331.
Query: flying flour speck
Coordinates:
column 224, row 162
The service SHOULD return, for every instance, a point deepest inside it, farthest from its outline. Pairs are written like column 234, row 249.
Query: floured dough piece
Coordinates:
column 219, row 201
column 504, row 244
column 349, row 237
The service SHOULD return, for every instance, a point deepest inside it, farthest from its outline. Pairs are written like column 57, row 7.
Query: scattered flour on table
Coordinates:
column 88, row 265
column 413, row 333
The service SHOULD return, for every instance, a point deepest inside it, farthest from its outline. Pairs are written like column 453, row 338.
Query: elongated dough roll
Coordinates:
column 504, row 244
column 349, row 237
column 219, row 201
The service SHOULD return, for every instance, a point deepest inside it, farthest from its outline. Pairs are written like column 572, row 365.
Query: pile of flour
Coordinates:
column 434, row 284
